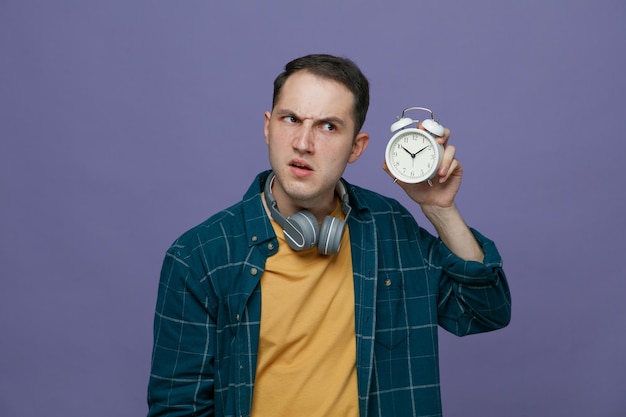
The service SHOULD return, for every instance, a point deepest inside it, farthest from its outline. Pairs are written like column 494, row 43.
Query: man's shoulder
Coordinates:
column 373, row 201
column 228, row 221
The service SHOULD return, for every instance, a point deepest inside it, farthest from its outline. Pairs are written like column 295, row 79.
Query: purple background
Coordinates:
column 123, row 123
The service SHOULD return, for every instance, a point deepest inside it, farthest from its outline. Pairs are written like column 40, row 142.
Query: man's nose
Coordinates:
column 303, row 140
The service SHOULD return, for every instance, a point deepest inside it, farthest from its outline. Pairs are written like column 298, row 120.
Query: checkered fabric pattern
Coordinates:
column 406, row 283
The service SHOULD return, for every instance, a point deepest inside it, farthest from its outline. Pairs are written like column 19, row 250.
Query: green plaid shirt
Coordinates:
column 406, row 282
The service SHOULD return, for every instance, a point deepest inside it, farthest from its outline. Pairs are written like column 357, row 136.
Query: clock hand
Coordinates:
column 413, row 154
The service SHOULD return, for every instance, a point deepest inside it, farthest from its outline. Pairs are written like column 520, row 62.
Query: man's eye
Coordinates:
column 290, row 119
column 328, row 126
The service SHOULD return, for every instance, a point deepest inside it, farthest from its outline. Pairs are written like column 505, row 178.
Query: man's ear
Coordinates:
column 266, row 127
column 359, row 145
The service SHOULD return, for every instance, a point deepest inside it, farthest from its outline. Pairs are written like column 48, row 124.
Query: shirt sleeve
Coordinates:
column 182, row 375
column 474, row 297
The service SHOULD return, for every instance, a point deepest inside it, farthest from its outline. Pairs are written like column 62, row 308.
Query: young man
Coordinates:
column 263, row 312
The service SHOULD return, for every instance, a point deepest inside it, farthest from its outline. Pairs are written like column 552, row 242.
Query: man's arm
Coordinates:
column 454, row 233
column 437, row 203
column 182, row 375
column 475, row 296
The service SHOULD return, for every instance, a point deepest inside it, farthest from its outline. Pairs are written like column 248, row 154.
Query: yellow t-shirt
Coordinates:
column 307, row 348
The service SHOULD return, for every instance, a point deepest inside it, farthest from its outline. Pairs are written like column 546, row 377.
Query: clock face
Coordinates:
column 413, row 156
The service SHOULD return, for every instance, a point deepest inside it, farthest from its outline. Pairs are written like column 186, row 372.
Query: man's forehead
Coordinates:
column 304, row 89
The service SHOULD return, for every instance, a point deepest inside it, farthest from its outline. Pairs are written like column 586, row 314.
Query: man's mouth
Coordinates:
column 300, row 166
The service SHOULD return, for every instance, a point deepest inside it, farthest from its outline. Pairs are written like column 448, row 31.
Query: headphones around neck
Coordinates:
column 301, row 229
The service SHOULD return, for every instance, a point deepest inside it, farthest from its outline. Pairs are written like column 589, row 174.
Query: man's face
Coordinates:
column 310, row 136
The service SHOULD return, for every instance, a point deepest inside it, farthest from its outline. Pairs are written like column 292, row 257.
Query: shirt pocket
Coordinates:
column 391, row 320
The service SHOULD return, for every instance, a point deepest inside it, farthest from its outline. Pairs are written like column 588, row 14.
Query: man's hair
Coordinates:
column 339, row 69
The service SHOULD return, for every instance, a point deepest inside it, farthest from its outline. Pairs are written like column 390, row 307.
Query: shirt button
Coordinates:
column 255, row 238
column 270, row 246
column 388, row 282
column 254, row 271
column 237, row 317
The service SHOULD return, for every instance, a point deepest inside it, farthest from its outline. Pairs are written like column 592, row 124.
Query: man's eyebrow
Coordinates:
column 334, row 120
column 284, row 112
column 328, row 119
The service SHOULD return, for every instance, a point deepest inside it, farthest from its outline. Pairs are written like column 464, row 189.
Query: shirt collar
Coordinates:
column 257, row 223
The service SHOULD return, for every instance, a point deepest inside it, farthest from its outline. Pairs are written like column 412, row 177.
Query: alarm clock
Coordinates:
column 413, row 155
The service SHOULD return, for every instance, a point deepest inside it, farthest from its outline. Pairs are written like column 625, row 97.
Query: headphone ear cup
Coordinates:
column 331, row 234
column 306, row 224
